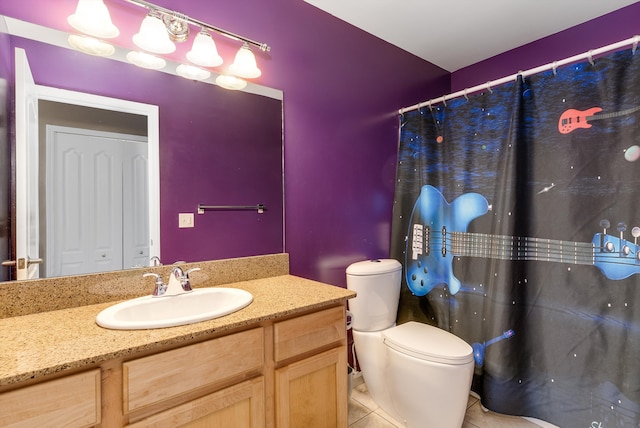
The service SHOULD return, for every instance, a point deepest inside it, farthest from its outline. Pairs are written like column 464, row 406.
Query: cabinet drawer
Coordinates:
column 308, row 332
column 72, row 401
column 162, row 376
column 240, row 405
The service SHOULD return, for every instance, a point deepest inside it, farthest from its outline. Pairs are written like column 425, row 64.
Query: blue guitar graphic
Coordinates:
column 438, row 232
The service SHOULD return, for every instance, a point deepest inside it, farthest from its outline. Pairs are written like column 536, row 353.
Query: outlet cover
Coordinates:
column 185, row 220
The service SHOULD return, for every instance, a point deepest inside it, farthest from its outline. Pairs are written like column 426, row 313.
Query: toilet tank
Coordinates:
column 377, row 284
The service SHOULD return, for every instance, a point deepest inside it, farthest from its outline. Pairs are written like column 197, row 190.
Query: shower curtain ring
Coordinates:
column 444, row 101
column 590, row 56
column 555, row 67
column 489, row 86
column 635, row 44
column 466, row 97
column 430, row 108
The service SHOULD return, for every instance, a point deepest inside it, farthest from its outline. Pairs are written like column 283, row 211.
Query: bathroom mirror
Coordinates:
column 216, row 147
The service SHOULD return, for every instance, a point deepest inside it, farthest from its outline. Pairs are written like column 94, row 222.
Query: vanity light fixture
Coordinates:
column 244, row 64
column 92, row 17
column 204, row 52
column 159, row 30
column 153, row 36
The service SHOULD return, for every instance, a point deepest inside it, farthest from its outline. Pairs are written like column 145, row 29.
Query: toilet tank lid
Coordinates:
column 428, row 343
column 373, row 267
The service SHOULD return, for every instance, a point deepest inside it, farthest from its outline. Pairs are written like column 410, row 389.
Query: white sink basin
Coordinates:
column 169, row 311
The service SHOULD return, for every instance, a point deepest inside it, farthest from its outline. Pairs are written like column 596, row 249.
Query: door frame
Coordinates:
column 151, row 112
column 153, row 141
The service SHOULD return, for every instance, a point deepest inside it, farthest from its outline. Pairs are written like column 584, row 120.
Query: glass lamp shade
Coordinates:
column 192, row 72
column 204, row 52
column 244, row 64
column 230, row 82
column 91, row 46
column 92, row 18
column 153, row 36
column 145, row 60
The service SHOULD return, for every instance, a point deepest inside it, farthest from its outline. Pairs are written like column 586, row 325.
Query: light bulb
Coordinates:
column 244, row 64
column 153, row 36
column 204, row 52
column 92, row 18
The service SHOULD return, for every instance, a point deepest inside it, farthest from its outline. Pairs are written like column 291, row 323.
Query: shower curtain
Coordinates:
column 516, row 220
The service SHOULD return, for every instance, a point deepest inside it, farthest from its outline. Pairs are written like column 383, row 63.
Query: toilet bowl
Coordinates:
column 419, row 374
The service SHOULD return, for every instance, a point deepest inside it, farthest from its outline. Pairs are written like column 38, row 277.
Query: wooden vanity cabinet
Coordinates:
column 298, row 379
column 275, row 374
column 311, row 370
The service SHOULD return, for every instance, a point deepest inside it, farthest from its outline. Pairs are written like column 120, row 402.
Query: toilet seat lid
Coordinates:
column 428, row 343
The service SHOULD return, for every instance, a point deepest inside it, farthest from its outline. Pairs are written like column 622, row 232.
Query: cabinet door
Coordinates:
column 239, row 406
column 72, row 401
column 313, row 392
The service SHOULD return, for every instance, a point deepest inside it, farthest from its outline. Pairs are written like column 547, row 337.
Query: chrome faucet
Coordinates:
column 155, row 261
column 179, row 282
column 175, row 282
column 160, row 287
column 186, row 281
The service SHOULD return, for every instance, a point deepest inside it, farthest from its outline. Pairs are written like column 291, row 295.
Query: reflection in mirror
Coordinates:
column 216, row 147
column 5, row 156
column 70, row 137
column 86, row 199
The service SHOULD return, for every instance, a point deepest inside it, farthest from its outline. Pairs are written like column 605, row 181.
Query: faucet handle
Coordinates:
column 186, row 282
column 160, row 287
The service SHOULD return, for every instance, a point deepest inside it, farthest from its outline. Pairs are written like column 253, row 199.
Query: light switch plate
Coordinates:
column 185, row 220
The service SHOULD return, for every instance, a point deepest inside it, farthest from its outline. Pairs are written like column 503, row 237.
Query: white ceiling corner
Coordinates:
column 454, row 34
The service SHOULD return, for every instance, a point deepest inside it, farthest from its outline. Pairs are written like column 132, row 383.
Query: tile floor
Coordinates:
column 365, row 413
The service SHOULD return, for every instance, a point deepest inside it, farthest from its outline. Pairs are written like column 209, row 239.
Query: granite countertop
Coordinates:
column 50, row 342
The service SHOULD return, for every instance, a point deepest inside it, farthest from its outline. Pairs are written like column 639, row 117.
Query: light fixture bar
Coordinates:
column 142, row 3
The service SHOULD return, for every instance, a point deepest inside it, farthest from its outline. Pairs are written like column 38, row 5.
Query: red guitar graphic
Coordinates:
column 574, row 119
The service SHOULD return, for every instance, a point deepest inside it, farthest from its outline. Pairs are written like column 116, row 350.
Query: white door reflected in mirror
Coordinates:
column 28, row 208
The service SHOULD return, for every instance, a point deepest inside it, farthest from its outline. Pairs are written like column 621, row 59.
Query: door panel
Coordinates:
column 27, row 214
column 87, row 204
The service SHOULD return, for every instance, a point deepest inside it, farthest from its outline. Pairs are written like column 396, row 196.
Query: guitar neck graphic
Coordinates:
column 573, row 119
column 438, row 233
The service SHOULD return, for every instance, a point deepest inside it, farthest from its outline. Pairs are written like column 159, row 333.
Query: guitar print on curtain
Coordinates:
column 517, row 218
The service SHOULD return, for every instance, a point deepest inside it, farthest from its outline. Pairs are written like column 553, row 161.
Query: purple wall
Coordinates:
column 342, row 88
column 607, row 29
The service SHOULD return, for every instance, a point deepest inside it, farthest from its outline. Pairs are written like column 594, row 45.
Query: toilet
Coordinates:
column 419, row 374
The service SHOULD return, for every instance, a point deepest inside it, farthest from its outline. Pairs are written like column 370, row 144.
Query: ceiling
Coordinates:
column 453, row 34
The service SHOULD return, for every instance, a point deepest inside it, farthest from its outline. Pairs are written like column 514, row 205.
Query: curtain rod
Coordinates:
column 553, row 66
